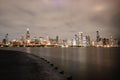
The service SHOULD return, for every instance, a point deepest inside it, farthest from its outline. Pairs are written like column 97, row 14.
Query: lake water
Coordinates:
column 82, row 63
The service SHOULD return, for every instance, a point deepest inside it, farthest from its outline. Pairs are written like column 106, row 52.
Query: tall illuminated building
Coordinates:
column 77, row 39
column 74, row 42
column 28, row 36
column 111, row 41
column 80, row 38
column 41, row 40
column 84, row 41
column 22, row 39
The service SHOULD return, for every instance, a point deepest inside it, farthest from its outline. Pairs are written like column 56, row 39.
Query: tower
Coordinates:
column 80, row 38
column 57, row 39
column 77, row 39
column 97, row 36
column 6, row 37
column 5, row 40
column 28, row 36
column 88, row 40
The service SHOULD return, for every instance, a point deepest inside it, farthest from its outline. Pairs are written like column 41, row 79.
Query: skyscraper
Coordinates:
column 77, row 39
column 88, row 40
column 6, row 37
column 97, row 36
column 80, row 38
column 28, row 36
column 5, row 40
column 57, row 39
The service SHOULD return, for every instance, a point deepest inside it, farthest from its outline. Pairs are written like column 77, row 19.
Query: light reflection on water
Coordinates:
column 83, row 63
column 28, row 50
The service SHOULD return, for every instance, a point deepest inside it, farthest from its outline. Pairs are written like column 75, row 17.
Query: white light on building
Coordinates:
column 80, row 38
column 74, row 42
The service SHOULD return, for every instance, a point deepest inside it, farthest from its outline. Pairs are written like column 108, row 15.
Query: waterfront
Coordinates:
column 81, row 63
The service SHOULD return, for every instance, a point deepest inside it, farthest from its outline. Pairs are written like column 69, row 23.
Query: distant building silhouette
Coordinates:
column 88, row 40
column 97, row 36
column 5, row 40
column 57, row 39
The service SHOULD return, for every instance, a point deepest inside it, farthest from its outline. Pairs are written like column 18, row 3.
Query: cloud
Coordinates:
column 60, row 17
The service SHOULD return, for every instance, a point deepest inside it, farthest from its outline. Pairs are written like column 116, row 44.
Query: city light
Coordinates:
column 79, row 40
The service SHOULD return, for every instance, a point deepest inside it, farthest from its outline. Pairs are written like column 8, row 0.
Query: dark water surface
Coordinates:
column 82, row 63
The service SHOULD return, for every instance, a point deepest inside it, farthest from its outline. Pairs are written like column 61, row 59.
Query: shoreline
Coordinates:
column 16, row 65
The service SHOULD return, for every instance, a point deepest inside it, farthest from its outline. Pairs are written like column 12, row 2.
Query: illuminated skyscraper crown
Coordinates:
column 28, row 34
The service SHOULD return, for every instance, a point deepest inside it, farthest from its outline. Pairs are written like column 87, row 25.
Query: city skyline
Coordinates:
column 79, row 40
column 59, row 17
column 31, row 36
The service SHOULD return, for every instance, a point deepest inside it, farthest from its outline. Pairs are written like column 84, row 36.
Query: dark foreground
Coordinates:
column 21, row 66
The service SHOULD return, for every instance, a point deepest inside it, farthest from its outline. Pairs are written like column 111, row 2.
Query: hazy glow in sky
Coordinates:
column 59, row 17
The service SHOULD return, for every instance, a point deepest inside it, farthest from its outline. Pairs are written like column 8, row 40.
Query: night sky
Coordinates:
column 59, row 17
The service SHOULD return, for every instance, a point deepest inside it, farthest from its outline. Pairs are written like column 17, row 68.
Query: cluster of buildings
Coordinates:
column 79, row 40
column 105, row 42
